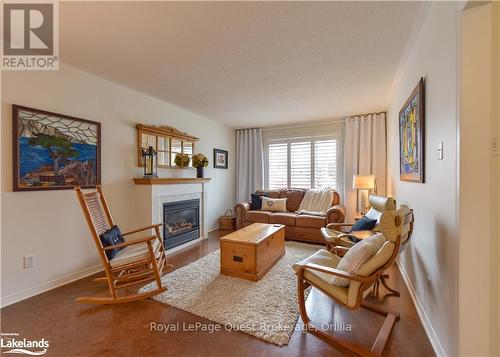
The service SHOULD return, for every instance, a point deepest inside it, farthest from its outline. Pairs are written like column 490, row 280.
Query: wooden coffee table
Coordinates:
column 251, row 251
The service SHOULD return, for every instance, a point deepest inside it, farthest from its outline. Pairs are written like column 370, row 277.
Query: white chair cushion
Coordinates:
column 358, row 255
column 370, row 267
column 133, row 253
column 323, row 280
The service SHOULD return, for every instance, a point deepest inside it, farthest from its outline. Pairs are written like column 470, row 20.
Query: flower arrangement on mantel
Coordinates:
column 199, row 161
column 182, row 160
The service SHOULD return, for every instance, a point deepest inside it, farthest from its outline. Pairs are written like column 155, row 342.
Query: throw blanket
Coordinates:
column 317, row 202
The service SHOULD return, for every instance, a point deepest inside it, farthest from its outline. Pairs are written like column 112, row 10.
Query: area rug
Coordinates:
column 266, row 309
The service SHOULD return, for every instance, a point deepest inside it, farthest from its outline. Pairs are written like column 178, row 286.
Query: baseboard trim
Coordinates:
column 26, row 294
column 426, row 323
column 213, row 228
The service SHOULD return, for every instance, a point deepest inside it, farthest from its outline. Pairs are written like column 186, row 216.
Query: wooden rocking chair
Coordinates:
column 319, row 269
column 140, row 261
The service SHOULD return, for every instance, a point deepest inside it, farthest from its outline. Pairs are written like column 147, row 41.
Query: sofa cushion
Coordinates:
column 258, row 216
column 294, row 197
column 310, row 221
column 257, row 200
column 273, row 204
column 286, row 218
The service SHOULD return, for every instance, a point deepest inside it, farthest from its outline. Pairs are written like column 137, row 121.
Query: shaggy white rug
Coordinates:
column 266, row 309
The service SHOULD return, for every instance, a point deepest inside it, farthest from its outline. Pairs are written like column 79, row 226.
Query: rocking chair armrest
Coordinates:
column 143, row 229
column 130, row 242
column 337, row 272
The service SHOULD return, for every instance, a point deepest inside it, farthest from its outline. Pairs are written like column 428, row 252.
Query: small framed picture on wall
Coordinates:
column 220, row 159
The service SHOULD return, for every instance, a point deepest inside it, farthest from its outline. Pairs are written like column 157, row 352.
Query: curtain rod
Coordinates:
column 248, row 129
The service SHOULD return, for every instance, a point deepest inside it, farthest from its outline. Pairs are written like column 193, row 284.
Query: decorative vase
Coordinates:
column 199, row 172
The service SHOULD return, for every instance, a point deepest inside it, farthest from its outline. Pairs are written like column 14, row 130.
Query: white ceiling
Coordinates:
column 244, row 63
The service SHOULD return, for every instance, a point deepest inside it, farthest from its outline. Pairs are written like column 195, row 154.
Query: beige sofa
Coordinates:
column 300, row 227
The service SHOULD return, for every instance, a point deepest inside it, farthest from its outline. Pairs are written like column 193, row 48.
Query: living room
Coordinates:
column 278, row 125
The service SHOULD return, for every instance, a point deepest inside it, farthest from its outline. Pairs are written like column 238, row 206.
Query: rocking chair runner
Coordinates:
column 319, row 269
column 140, row 261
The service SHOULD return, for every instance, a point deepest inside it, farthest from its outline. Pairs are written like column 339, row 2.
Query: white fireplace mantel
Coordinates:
column 153, row 193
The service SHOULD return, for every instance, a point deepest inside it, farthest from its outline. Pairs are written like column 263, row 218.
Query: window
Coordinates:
column 303, row 163
column 166, row 141
column 278, row 173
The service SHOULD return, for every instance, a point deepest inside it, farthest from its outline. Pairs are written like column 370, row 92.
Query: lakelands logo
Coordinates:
column 30, row 35
column 16, row 345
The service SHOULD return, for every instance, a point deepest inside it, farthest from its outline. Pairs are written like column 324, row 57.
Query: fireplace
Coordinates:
column 181, row 222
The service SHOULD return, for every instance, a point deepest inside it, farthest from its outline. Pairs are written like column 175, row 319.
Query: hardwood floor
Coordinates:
column 125, row 330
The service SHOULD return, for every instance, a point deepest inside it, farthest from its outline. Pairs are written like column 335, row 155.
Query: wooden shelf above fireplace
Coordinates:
column 169, row 180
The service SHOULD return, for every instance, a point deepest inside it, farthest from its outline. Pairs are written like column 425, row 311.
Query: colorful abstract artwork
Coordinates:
column 411, row 136
column 54, row 151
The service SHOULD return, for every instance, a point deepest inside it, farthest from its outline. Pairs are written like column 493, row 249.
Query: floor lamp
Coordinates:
column 364, row 183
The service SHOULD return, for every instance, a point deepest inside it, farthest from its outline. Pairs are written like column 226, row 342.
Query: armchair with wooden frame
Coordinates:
column 337, row 234
column 319, row 269
column 140, row 260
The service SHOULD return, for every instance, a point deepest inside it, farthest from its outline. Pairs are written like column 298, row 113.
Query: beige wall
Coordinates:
column 50, row 224
column 495, row 183
column 478, row 208
column 430, row 261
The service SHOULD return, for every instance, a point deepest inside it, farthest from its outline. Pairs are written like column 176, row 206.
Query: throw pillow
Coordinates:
column 363, row 224
column 111, row 237
column 274, row 204
column 257, row 200
column 358, row 255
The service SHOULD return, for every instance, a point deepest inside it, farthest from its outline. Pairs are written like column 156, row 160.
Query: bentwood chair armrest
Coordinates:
column 339, row 250
column 346, row 235
column 339, row 225
column 130, row 242
column 333, row 271
column 143, row 229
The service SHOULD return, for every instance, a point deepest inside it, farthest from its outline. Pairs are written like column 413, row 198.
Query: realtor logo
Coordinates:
column 10, row 343
column 30, row 36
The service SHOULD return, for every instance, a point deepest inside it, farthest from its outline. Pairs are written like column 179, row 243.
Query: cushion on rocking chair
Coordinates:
column 111, row 237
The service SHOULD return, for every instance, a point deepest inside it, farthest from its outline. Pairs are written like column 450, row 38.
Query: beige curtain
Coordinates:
column 364, row 153
column 249, row 163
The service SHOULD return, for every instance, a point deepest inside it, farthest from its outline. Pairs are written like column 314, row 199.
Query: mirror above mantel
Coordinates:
column 167, row 141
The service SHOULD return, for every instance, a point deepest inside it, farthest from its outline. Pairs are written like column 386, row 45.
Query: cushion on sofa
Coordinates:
column 258, row 216
column 294, row 197
column 273, row 204
column 286, row 218
column 310, row 221
column 271, row 193
column 257, row 200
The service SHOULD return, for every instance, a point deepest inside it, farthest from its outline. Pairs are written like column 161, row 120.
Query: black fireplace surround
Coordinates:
column 181, row 222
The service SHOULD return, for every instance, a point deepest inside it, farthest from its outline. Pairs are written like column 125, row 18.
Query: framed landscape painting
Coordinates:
column 54, row 151
column 220, row 159
column 411, row 136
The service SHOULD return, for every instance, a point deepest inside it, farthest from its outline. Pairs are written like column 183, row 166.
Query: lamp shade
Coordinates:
column 363, row 182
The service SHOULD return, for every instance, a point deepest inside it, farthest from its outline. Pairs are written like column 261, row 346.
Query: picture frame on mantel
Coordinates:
column 220, row 159
column 54, row 151
column 412, row 136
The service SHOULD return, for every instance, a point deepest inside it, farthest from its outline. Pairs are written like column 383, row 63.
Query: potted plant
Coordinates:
column 182, row 160
column 199, row 161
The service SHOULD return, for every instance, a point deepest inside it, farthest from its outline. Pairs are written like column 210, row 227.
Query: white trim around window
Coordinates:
column 297, row 170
